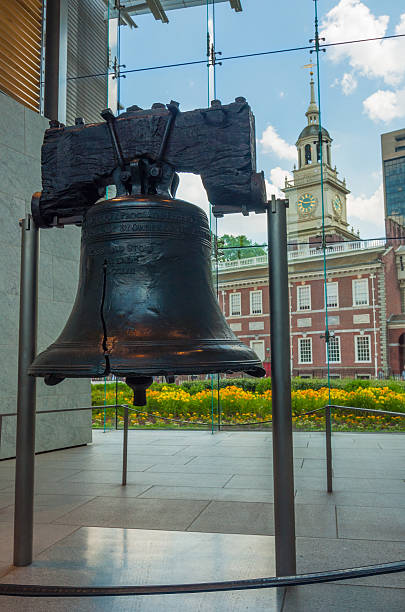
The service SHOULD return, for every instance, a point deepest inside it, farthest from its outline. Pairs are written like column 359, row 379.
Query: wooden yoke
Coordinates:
column 218, row 143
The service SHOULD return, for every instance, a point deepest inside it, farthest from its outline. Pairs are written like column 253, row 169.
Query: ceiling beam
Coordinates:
column 236, row 5
column 126, row 19
column 157, row 11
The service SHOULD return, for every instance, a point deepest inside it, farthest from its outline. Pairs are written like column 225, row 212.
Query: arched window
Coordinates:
column 328, row 154
column 308, row 157
column 318, row 152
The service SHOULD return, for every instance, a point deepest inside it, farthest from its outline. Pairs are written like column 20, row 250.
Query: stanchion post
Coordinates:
column 283, row 465
column 125, row 448
column 26, row 396
column 328, row 431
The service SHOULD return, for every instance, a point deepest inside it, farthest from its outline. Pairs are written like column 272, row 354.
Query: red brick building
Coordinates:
column 364, row 289
column 364, row 309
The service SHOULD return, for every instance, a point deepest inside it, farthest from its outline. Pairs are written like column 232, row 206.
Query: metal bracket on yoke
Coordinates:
column 144, row 175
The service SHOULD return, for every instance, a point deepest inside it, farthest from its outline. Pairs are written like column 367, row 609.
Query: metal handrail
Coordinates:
column 328, row 432
column 8, row 414
column 359, row 409
column 36, row 590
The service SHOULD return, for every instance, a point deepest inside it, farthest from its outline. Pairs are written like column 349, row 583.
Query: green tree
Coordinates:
column 243, row 248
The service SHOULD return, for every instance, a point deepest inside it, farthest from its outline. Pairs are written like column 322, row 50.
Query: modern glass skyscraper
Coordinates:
column 393, row 157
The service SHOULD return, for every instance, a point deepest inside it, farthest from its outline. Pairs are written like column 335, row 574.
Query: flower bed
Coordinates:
column 238, row 406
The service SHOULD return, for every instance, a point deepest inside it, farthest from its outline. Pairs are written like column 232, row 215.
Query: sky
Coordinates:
column 362, row 87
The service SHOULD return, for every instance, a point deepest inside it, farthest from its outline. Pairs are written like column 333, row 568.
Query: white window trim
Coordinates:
column 256, row 314
column 231, row 314
column 354, row 281
column 299, row 288
column 337, row 295
column 340, row 351
column 299, row 352
column 253, row 342
column 356, row 360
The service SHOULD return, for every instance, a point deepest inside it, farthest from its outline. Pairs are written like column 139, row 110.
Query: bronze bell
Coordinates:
column 145, row 304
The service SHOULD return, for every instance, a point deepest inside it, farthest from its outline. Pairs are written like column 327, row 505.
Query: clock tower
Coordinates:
column 304, row 216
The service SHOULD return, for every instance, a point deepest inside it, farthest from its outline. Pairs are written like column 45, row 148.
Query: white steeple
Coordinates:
column 306, row 192
column 313, row 111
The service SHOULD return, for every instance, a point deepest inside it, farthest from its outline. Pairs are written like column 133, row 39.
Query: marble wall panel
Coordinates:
column 21, row 135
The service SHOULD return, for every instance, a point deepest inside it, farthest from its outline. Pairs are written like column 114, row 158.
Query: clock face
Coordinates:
column 337, row 205
column 306, row 203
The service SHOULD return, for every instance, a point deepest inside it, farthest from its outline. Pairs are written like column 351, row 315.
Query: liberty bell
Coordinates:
column 145, row 303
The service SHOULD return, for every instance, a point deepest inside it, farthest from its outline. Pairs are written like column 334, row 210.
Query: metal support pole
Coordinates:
column 218, row 405
column 125, row 448
column 328, row 431
column 56, row 60
column 26, row 397
column 283, row 465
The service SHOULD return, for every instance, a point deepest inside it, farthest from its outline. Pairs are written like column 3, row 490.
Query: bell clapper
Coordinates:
column 139, row 384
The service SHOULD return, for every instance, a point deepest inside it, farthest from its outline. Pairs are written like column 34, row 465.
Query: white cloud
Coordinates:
column 254, row 226
column 351, row 20
column 271, row 141
column 348, row 83
column 385, row 105
column 367, row 213
column 277, row 181
column 192, row 190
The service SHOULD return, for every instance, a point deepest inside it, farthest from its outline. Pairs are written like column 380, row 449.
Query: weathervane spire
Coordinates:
column 313, row 111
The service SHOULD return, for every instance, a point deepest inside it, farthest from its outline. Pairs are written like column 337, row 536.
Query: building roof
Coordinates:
column 397, row 318
column 313, row 130
column 158, row 8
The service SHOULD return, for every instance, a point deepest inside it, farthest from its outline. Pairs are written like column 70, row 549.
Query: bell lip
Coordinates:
column 68, row 372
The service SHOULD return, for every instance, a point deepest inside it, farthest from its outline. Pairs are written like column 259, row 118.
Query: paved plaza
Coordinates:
column 199, row 507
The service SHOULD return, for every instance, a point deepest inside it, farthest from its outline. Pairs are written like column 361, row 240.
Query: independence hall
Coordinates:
column 365, row 280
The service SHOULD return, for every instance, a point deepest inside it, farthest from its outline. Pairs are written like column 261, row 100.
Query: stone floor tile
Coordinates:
column 229, row 451
column 236, row 517
column 371, row 485
column 256, row 481
column 334, row 554
column 167, row 478
column 315, row 521
column 44, row 536
column 6, row 499
column 237, row 601
column 257, row 518
column 342, row 598
column 353, row 498
column 371, row 523
column 209, row 493
column 83, row 488
column 47, row 508
column 135, row 513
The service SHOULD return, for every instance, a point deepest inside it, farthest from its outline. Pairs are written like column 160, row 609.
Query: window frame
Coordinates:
column 335, row 283
column 340, row 350
column 356, row 281
column 300, row 352
column 251, row 293
column 299, row 307
column 232, row 314
column 252, row 342
column 356, row 349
